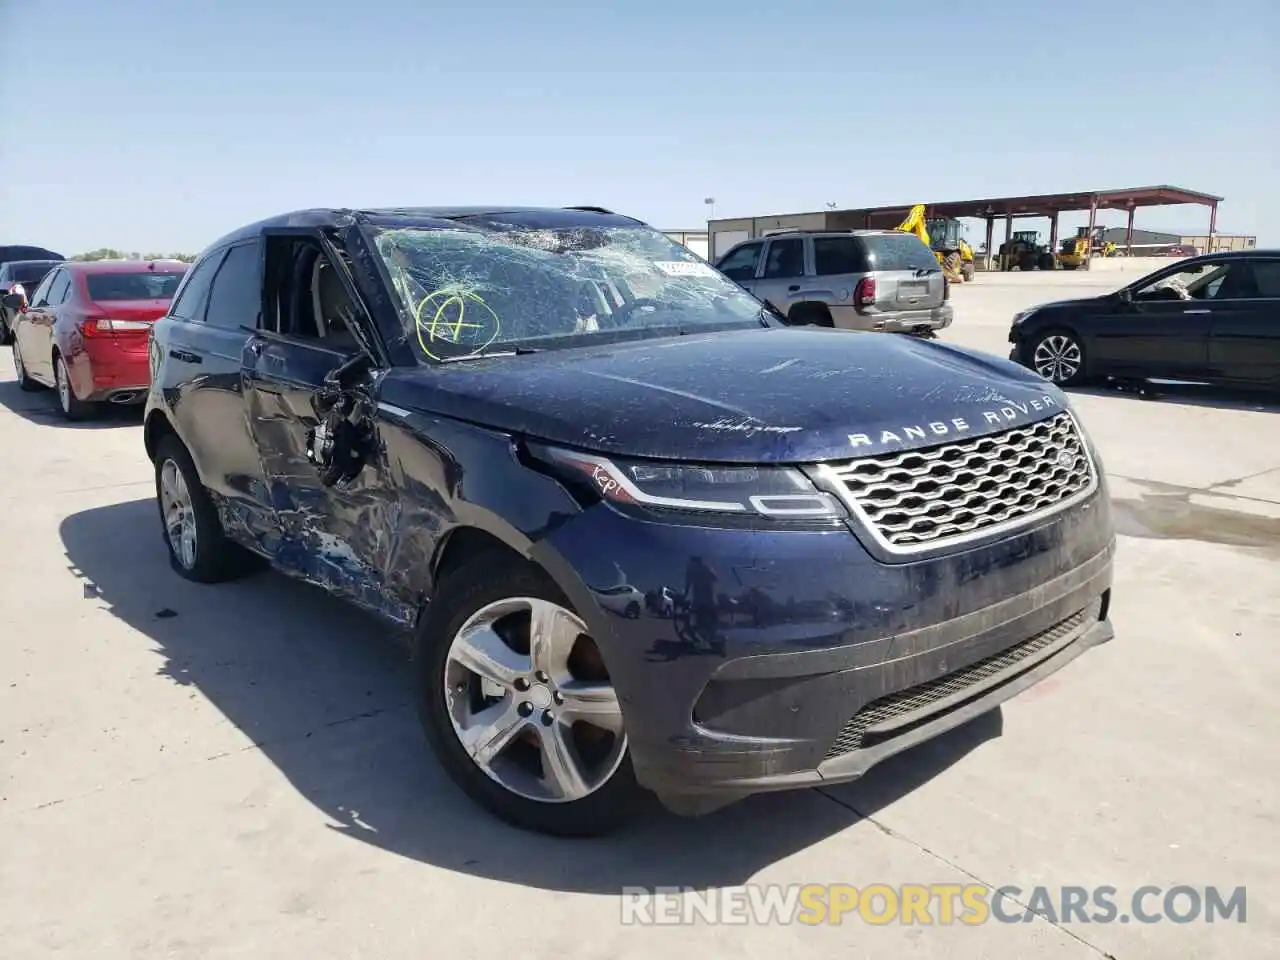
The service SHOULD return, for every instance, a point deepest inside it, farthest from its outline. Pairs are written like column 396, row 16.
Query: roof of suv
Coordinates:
column 832, row 233
column 428, row 218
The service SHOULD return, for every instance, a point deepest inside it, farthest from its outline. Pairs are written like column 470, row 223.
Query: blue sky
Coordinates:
column 158, row 126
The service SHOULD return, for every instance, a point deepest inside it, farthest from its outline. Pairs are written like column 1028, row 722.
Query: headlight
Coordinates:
column 782, row 493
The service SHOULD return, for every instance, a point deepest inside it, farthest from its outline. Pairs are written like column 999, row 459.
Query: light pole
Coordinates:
column 711, row 202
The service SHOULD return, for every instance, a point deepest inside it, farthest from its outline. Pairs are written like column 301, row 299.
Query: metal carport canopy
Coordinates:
column 1040, row 205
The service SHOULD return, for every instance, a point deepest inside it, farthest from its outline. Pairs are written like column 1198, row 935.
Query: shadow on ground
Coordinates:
column 1185, row 394
column 322, row 690
column 41, row 406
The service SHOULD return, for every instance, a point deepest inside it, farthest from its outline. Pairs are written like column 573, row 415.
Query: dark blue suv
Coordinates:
column 645, row 536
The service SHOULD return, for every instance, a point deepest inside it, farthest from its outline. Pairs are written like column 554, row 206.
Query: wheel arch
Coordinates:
column 154, row 429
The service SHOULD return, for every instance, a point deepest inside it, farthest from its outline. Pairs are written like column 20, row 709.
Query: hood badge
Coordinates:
column 952, row 428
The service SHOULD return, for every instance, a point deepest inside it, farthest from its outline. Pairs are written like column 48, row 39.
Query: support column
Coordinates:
column 1008, row 232
column 1053, row 233
column 1128, row 232
column 1213, row 225
column 991, row 232
column 1093, row 219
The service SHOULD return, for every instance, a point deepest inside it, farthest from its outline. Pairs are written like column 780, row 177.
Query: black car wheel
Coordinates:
column 517, row 705
column 1058, row 357
column 198, row 548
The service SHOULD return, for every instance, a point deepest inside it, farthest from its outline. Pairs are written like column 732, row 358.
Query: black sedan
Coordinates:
column 1213, row 319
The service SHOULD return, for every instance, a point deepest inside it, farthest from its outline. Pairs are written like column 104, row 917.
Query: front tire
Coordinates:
column 198, row 548
column 1058, row 356
column 25, row 383
column 517, row 705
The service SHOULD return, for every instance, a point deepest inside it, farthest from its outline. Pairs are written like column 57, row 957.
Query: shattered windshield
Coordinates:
column 471, row 290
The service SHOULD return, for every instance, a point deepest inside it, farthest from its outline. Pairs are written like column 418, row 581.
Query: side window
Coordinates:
column 740, row 264
column 1200, row 281
column 190, row 301
column 305, row 296
column 837, row 255
column 1266, row 275
column 41, row 295
column 60, row 290
column 785, row 259
column 235, row 295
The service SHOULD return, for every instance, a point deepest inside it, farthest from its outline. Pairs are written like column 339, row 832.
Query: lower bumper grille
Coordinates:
column 919, row 697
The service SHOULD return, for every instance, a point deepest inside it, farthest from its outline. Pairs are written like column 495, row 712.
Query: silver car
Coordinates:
column 856, row 280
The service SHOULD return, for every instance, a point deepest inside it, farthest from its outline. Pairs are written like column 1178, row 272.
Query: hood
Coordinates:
column 1102, row 300
column 760, row 396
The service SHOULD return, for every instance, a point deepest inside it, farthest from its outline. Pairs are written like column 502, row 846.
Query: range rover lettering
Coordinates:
column 645, row 536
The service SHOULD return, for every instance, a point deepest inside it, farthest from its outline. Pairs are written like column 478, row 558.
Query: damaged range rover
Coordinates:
column 647, row 538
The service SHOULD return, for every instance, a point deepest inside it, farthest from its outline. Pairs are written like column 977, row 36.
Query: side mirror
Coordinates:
column 1125, row 295
column 12, row 301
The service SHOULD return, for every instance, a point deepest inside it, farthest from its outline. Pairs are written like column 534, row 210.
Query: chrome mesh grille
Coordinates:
column 921, row 696
column 923, row 498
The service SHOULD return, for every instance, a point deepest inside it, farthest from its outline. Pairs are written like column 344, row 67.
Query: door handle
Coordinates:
column 257, row 346
column 793, row 288
column 1197, row 311
column 186, row 356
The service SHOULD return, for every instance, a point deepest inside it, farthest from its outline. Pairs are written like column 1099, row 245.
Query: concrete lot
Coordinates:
column 236, row 772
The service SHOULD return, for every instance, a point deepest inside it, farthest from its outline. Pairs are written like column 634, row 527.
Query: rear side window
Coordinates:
column 836, row 255
column 235, row 298
column 785, row 259
column 902, row 251
column 143, row 285
column 192, row 295
column 1266, row 273
column 60, row 289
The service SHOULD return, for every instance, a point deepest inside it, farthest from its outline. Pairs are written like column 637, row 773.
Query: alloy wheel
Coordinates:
column 530, row 702
column 1057, row 358
column 179, row 514
column 64, row 385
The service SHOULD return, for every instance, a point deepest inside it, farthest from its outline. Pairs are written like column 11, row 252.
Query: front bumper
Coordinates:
column 816, row 661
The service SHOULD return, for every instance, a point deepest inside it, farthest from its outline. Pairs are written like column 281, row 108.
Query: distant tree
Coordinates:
column 102, row 253
column 110, row 253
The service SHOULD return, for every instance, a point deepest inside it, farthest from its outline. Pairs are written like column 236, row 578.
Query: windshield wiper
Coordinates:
column 515, row 352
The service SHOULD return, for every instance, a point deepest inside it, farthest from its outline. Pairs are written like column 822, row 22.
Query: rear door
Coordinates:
column 782, row 278
column 1244, row 339
column 38, row 324
column 908, row 277
column 209, row 324
column 742, row 263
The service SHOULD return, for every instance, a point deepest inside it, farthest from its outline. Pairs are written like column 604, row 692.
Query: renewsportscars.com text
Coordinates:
column 930, row 904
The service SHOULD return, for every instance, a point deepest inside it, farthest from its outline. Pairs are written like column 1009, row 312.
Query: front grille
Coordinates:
column 919, row 499
column 920, row 697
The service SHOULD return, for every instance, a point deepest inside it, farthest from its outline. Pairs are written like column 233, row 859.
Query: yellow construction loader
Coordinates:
column 946, row 239
column 1074, row 251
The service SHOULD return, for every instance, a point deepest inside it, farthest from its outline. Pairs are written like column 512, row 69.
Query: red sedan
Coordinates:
column 84, row 331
